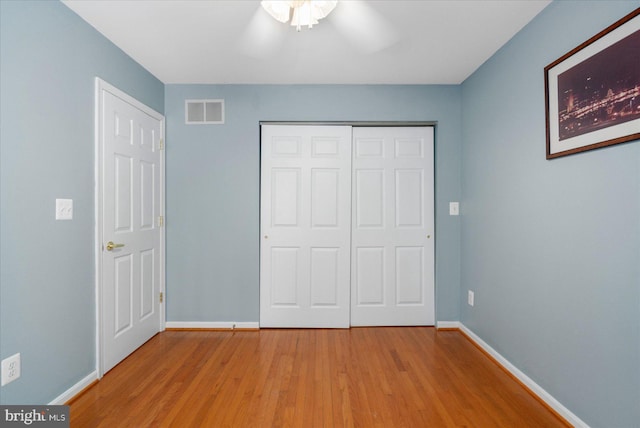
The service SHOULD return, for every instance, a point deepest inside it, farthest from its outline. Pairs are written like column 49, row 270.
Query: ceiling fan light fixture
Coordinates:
column 278, row 9
column 301, row 12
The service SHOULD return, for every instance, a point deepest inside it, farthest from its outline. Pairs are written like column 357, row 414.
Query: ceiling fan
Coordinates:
column 357, row 21
column 300, row 12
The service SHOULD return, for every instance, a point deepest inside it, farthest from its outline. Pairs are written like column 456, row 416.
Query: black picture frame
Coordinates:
column 592, row 93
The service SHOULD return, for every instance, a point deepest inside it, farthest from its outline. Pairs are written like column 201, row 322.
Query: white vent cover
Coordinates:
column 204, row 112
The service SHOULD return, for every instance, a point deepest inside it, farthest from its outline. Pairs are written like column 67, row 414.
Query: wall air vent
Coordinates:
column 204, row 112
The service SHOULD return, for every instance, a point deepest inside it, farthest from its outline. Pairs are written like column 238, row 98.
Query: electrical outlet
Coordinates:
column 10, row 369
column 470, row 298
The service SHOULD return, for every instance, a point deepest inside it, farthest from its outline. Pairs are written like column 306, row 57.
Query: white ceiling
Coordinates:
column 392, row 42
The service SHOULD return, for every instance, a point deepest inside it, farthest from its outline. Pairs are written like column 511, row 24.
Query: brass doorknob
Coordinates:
column 110, row 246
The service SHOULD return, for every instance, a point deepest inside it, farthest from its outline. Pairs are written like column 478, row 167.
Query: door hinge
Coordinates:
column 161, row 297
column 161, row 143
column 160, row 221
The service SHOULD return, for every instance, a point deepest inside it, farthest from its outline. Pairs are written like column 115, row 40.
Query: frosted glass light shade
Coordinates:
column 301, row 12
column 278, row 9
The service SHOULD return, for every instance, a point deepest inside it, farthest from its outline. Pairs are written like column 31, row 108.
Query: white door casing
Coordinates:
column 305, row 226
column 392, row 232
column 130, row 206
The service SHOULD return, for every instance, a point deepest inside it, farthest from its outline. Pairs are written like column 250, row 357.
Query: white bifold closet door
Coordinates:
column 392, row 259
column 346, row 226
column 305, row 226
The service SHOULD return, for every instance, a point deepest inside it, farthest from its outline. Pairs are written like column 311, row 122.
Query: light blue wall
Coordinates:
column 49, row 58
column 552, row 248
column 213, row 186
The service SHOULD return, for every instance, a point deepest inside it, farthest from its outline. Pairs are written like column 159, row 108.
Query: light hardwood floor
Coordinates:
column 361, row 377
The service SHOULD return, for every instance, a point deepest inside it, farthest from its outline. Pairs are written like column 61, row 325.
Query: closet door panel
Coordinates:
column 392, row 278
column 305, row 255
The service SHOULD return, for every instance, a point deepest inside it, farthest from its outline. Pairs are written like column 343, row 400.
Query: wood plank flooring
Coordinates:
column 360, row 377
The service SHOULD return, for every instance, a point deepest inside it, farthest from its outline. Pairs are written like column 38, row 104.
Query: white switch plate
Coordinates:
column 454, row 208
column 10, row 369
column 64, row 209
column 470, row 298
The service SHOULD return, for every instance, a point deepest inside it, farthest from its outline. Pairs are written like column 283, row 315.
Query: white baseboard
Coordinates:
column 75, row 389
column 448, row 325
column 230, row 325
column 526, row 380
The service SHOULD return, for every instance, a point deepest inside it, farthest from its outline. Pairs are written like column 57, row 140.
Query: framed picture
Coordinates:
column 592, row 93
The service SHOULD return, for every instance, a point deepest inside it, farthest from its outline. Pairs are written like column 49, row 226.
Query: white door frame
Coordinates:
column 101, row 85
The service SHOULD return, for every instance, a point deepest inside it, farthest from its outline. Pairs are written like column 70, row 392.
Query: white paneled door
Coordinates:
column 392, row 275
column 131, row 168
column 347, row 224
column 305, row 226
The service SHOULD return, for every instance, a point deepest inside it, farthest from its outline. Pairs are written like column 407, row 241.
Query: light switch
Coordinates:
column 454, row 208
column 64, row 209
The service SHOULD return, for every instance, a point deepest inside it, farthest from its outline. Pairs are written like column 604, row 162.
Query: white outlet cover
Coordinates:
column 10, row 369
column 64, row 209
column 470, row 298
column 454, row 208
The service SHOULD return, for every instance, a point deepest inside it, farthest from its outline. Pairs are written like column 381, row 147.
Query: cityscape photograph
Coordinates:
column 601, row 91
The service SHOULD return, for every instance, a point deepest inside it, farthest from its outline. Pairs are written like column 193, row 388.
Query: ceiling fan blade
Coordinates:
column 363, row 26
column 262, row 37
